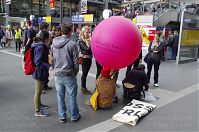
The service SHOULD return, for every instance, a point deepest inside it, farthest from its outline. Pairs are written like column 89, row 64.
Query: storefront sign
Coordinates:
column 144, row 20
column 87, row 18
column 48, row 19
column 40, row 20
column 152, row 32
column 84, row 7
column 78, row 19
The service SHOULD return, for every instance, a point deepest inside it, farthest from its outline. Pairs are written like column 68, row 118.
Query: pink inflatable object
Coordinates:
column 116, row 42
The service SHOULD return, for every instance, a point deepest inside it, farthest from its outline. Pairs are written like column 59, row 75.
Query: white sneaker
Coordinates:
column 41, row 113
column 156, row 85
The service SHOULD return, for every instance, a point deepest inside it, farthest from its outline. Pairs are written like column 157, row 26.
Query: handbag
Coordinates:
column 80, row 60
column 146, row 57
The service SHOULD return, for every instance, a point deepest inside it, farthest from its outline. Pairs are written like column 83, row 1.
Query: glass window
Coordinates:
column 189, row 41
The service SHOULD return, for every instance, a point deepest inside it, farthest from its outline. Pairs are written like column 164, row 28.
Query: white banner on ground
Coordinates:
column 133, row 111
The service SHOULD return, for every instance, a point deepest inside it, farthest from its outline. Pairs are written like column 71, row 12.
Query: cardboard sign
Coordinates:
column 133, row 111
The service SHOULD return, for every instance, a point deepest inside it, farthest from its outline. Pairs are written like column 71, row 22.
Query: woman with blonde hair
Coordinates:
column 86, row 55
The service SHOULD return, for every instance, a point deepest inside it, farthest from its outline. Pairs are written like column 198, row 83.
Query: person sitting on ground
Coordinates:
column 105, row 85
column 134, row 82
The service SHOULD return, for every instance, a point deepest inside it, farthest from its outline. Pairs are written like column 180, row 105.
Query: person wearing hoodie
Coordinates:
column 40, row 59
column 65, row 62
column 45, row 26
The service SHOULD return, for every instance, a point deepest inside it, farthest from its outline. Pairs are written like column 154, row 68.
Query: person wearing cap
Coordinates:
column 105, row 85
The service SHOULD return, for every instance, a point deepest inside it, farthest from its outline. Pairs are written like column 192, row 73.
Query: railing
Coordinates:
column 166, row 6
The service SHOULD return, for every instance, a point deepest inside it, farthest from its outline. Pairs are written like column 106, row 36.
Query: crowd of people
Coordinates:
column 68, row 49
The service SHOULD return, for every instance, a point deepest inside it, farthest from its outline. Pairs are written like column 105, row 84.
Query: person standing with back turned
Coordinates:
column 64, row 53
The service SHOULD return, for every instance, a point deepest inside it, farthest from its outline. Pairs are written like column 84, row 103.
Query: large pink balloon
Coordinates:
column 116, row 42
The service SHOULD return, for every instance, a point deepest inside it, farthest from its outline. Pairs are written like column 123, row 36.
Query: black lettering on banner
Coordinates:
column 136, row 114
column 128, row 112
column 129, row 104
column 149, row 108
column 138, row 106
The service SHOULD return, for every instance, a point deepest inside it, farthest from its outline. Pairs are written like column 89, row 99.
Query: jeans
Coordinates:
column 69, row 84
column 174, row 53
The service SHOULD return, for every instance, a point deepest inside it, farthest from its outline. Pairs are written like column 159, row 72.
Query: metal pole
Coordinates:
column 48, row 12
column 2, row 6
column 61, row 12
column 106, row 4
column 48, row 8
column 6, row 11
column 180, row 38
column 39, row 8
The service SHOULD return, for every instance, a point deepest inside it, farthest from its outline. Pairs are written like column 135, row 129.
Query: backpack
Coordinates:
column 29, row 66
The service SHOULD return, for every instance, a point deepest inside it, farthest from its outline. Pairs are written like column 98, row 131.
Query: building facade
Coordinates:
column 40, row 8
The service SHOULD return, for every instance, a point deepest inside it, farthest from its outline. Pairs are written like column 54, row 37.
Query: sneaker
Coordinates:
column 115, row 99
column 44, row 106
column 47, row 88
column 117, row 86
column 41, row 113
column 43, row 92
column 77, row 119
column 85, row 91
column 156, row 85
column 62, row 120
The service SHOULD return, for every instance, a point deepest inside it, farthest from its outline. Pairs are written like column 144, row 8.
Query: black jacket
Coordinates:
column 175, row 41
column 84, row 49
column 156, row 55
column 41, row 61
column 137, row 78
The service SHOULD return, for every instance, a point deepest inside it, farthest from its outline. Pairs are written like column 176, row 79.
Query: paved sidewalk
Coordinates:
column 177, row 104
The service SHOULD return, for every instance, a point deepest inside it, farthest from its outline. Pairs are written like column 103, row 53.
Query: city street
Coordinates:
column 177, row 101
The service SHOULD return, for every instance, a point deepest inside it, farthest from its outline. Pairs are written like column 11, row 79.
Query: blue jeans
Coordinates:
column 62, row 85
column 174, row 53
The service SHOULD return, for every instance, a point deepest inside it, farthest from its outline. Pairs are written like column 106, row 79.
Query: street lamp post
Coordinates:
column 2, row 6
column 48, row 8
column 106, row 4
column 61, row 12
